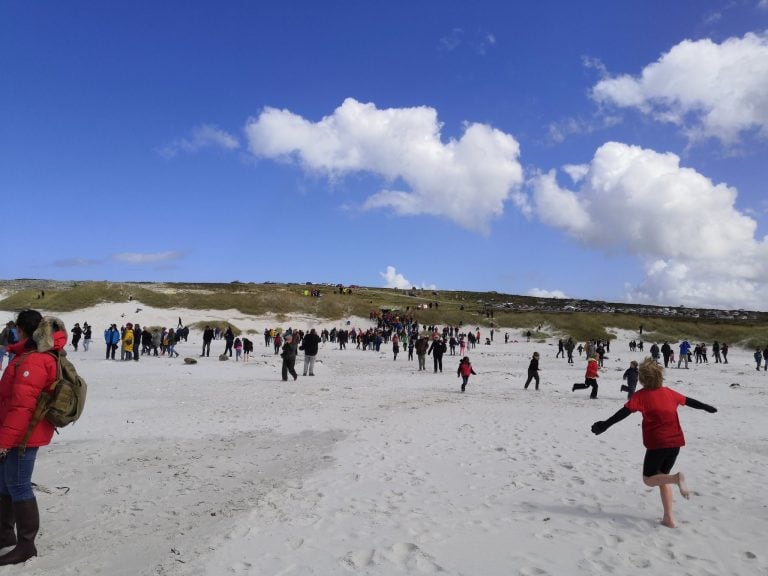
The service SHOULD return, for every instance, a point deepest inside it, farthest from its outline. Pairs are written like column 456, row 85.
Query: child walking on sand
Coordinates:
column 465, row 369
column 631, row 375
column 662, row 434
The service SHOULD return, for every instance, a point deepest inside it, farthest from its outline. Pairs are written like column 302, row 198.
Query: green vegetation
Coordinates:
column 472, row 309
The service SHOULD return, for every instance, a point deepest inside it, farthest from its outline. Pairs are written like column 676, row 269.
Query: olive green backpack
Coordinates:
column 62, row 403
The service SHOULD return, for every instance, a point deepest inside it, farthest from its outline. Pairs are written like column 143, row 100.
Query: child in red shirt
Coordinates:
column 465, row 369
column 590, row 377
column 662, row 434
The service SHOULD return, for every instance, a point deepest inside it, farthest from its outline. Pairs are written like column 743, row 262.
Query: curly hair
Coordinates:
column 651, row 374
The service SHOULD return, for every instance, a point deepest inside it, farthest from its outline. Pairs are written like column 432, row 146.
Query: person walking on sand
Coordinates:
column 533, row 371
column 437, row 349
column 289, row 358
column 758, row 358
column 395, row 346
column 662, row 434
column 421, row 352
column 238, row 349
column 464, row 371
column 685, row 349
column 590, row 377
column 631, row 375
column 310, row 344
column 247, row 349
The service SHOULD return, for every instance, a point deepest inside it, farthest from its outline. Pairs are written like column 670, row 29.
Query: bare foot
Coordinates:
column 668, row 522
column 684, row 492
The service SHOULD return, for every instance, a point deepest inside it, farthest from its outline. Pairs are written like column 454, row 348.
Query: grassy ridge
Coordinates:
column 467, row 308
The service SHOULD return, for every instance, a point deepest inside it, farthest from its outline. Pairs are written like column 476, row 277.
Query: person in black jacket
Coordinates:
column 207, row 337
column 289, row 358
column 310, row 345
column 437, row 349
column 533, row 371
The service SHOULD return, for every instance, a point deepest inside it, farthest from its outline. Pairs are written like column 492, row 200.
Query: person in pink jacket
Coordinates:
column 31, row 372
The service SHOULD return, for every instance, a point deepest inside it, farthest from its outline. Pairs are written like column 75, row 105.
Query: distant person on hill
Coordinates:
column 662, row 434
column 590, row 378
column 533, row 371
column 464, row 371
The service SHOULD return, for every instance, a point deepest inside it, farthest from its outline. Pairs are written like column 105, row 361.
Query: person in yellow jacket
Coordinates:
column 128, row 342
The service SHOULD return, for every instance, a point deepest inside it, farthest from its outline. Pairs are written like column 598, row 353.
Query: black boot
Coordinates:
column 7, row 522
column 27, row 525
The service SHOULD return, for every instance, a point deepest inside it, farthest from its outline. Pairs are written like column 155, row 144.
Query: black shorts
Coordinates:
column 659, row 461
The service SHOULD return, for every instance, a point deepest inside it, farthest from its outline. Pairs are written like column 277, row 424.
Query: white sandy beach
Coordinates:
column 374, row 468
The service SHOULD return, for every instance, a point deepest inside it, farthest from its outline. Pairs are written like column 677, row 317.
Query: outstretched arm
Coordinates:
column 699, row 405
column 603, row 425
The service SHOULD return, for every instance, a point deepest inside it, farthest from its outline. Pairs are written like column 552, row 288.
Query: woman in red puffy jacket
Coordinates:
column 31, row 372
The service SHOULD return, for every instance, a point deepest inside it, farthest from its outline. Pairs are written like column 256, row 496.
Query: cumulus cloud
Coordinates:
column 393, row 279
column 466, row 180
column 541, row 293
column 697, row 248
column 708, row 89
column 147, row 258
column 205, row 136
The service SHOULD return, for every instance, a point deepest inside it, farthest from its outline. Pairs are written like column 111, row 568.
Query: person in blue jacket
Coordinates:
column 111, row 338
column 685, row 349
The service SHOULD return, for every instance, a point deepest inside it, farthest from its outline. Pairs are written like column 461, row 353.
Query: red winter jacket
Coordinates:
column 30, row 372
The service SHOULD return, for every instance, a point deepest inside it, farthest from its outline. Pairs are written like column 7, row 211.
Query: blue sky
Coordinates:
column 595, row 149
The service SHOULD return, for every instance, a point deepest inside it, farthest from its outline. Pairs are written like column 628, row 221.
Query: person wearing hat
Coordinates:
column 533, row 371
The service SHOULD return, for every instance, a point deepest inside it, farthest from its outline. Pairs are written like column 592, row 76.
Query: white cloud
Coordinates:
column 76, row 262
column 393, row 279
column 763, row 4
column 205, row 136
column 465, row 180
column 697, row 247
column 708, row 89
column 541, row 293
column 146, row 258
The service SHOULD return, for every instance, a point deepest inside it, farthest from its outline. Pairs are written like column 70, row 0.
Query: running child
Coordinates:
column 662, row 434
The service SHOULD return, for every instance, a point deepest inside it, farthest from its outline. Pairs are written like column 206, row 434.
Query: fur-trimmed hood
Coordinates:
column 51, row 334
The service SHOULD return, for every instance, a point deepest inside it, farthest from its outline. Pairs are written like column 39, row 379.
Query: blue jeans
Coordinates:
column 16, row 474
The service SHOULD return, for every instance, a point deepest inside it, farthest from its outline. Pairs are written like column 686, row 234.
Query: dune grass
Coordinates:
column 469, row 309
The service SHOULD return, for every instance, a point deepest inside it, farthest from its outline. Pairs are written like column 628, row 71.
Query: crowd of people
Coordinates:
column 32, row 338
